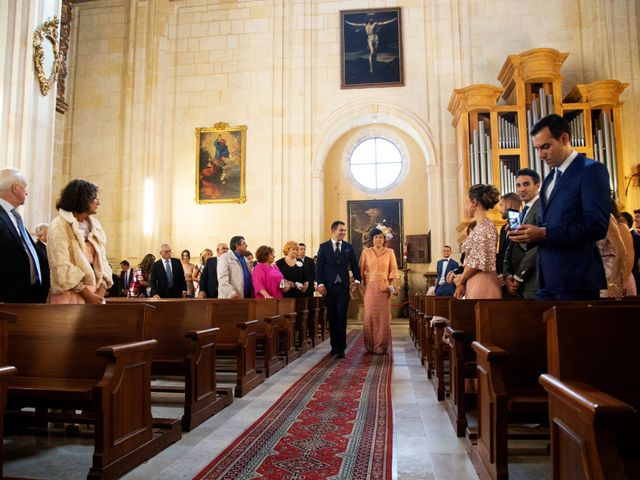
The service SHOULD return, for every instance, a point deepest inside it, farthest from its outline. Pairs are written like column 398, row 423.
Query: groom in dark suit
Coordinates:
column 335, row 257
column 445, row 265
column 575, row 207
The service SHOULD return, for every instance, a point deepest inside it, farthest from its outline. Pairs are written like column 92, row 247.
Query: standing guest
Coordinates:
column 126, row 277
column 209, row 276
column 234, row 278
column 205, row 255
column 444, row 266
column 189, row 268
column 25, row 271
column 379, row 272
column 335, row 257
column 520, row 259
column 574, row 215
column 613, row 255
column 635, row 239
column 167, row 276
column 628, row 281
column 509, row 201
column 141, row 278
column 479, row 278
column 309, row 267
column 267, row 278
column 292, row 270
column 80, row 272
column 636, row 220
column 42, row 230
column 250, row 260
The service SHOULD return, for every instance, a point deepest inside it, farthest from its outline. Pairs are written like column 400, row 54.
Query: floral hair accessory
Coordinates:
column 386, row 231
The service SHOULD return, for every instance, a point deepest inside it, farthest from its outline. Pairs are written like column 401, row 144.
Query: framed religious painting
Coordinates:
column 220, row 164
column 371, row 48
column 364, row 215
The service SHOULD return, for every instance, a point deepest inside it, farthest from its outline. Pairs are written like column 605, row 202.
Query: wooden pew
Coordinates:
column 303, row 342
column 436, row 307
column 287, row 312
column 186, row 348
column 5, row 373
column 323, row 324
column 236, row 343
column 594, row 395
column 414, row 310
column 92, row 358
column 268, row 335
column 313, row 321
column 460, row 332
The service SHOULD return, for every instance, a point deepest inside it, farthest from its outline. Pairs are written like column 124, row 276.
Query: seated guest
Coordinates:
column 80, row 272
column 444, row 266
column 167, row 276
column 292, row 270
column 188, row 267
column 140, row 279
column 267, row 278
column 209, row 276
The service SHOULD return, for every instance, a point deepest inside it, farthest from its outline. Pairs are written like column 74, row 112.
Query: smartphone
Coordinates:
column 514, row 219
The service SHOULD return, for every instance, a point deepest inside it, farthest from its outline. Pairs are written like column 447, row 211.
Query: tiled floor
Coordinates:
column 424, row 447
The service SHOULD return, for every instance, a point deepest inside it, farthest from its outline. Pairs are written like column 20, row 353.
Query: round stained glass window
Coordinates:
column 375, row 163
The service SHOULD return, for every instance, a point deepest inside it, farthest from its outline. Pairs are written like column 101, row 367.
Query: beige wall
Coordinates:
column 143, row 75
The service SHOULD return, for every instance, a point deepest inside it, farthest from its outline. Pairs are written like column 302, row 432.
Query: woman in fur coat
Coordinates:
column 80, row 272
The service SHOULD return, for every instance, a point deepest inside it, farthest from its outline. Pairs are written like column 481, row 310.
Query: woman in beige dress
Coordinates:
column 189, row 268
column 80, row 272
column 479, row 278
column 379, row 271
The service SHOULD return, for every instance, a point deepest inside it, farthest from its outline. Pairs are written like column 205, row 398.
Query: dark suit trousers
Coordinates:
column 337, row 301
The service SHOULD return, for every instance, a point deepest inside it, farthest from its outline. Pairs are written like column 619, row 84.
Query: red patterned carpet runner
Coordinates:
column 333, row 423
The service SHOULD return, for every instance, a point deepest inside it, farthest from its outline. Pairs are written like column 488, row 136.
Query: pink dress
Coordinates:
column 480, row 253
column 377, row 269
column 266, row 277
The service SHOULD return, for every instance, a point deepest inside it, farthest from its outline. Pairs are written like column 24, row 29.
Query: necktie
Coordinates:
column 337, row 250
column 36, row 275
column 167, row 268
column 523, row 213
column 552, row 185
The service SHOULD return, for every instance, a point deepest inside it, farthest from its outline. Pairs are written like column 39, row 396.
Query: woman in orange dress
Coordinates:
column 379, row 271
column 479, row 278
column 80, row 272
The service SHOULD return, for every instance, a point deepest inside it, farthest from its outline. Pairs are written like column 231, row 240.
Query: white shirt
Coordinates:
column 562, row 167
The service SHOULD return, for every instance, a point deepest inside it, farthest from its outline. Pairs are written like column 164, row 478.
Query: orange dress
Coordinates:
column 378, row 270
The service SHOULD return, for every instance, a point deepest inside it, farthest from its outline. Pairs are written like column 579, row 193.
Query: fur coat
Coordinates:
column 67, row 258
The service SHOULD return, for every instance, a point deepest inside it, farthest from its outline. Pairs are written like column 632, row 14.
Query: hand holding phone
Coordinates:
column 514, row 219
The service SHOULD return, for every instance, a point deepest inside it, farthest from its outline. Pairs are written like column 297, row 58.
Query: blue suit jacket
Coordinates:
column 446, row 289
column 329, row 265
column 575, row 216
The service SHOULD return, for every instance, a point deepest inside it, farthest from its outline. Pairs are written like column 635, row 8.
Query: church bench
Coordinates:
column 313, row 321
column 436, row 307
column 594, row 395
column 94, row 358
column 426, row 304
column 267, row 335
column 287, row 324
column 414, row 309
column 5, row 372
column 303, row 342
column 186, row 349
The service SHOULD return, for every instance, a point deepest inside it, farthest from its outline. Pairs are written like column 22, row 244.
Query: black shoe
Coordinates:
column 340, row 354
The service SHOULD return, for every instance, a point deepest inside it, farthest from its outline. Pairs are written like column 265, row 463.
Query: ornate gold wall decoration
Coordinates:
column 46, row 58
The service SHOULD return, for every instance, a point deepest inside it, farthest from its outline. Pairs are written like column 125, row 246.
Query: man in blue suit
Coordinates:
column 445, row 265
column 574, row 215
column 335, row 257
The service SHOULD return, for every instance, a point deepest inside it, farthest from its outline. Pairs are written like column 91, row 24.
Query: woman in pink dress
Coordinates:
column 80, row 272
column 479, row 278
column 379, row 271
column 266, row 277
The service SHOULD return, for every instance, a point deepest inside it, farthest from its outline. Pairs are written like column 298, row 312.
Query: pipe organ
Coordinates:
column 493, row 122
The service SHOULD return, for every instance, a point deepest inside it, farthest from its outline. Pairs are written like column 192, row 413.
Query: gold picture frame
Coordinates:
column 46, row 56
column 220, row 164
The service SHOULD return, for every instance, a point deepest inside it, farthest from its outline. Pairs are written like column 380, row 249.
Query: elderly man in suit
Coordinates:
column 167, row 276
column 209, row 277
column 335, row 257
column 234, row 277
column 519, row 267
column 445, row 265
column 25, row 271
column 574, row 214
column 42, row 231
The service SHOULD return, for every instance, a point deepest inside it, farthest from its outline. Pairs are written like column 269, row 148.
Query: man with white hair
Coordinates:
column 25, row 272
column 42, row 230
